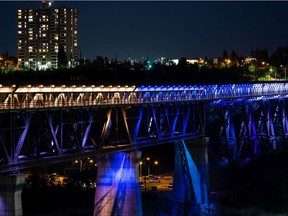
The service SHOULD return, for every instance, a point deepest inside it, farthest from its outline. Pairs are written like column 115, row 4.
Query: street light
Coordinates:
column 141, row 163
column 148, row 165
column 156, row 164
column 285, row 71
column 83, row 162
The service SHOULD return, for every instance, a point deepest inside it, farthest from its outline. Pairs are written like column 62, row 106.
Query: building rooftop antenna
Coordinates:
column 47, row 4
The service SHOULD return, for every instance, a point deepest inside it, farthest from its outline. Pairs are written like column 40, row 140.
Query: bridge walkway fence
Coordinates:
column 23, row 97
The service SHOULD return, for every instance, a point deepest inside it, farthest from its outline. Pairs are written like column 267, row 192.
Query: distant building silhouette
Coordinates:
column 42, row 31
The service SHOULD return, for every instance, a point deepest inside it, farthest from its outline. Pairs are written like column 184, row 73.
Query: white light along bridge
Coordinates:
column 17, row 97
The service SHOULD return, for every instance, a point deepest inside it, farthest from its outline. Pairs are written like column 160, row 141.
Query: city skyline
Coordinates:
column 164, row 29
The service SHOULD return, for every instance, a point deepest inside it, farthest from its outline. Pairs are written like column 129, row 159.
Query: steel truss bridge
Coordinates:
column 49, row 124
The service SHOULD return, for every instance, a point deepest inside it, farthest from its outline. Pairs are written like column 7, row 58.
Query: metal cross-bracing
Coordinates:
column 243, row 129
column 33, row 137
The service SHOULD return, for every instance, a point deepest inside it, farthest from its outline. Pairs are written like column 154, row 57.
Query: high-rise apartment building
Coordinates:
column 43, row 32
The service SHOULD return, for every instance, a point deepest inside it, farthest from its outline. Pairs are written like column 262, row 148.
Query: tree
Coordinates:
column 182, row 63
column 234, row 56
column 5, row 55
column 280, row 57
column 260, row 54
column 225, row 54
column 100, row 62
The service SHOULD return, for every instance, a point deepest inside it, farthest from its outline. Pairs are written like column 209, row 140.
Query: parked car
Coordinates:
column 142, row 185
column 154, row 179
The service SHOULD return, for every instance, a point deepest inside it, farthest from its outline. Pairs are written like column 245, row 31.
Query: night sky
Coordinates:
column 170, row 29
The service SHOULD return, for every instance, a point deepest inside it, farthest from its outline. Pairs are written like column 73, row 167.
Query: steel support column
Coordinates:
column 252, row 129
column 190, row 183
column 10, row 195
column 284, row 118
column 269, row 125
column 230, row 136
column 118, row 186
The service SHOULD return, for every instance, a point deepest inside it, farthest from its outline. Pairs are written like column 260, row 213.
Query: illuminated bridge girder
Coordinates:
column 229, row 131
column 32, row 135
column 284, row 120
column 246, row 129
column 268, row 112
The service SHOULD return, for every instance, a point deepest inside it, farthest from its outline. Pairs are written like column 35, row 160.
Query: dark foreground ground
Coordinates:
column 257, row 189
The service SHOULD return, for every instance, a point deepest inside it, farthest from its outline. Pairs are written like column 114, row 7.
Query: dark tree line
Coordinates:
column 121, row 74
column 230, row 68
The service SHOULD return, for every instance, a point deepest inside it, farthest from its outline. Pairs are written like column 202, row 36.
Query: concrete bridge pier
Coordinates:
column 118, row 189
column 190, row 183
column 10, row 195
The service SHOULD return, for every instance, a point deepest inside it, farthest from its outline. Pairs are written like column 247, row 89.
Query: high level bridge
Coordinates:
column 49, row 124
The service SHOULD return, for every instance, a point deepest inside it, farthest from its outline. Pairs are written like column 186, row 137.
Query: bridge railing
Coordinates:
column 23, row 97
